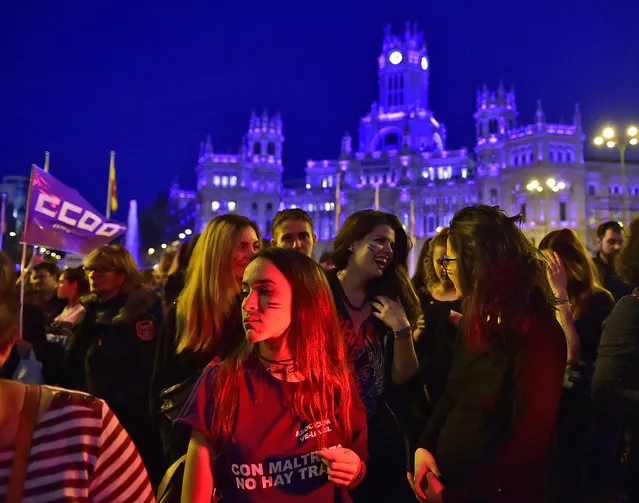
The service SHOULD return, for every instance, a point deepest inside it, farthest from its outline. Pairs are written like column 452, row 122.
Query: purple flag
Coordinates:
column 60, row 218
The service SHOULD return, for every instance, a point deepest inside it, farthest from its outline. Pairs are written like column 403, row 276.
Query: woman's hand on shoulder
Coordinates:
column 344, row 465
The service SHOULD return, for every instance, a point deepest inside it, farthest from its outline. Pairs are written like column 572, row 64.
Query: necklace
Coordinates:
column 285, row 366
column 350, row 304
column 346, row 299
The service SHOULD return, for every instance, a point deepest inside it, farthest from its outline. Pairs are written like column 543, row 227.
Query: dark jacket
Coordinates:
column 111, row 357
column 170, row 369
column 616, row 382
column 491, row 431
column 610, row 279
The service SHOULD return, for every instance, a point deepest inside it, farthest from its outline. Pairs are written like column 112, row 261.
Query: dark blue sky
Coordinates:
column 150, row 79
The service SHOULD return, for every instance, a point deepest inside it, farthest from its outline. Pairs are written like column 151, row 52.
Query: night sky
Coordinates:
column 150, row 79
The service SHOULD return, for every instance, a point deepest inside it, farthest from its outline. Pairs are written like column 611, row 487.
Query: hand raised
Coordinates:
column 391, row 312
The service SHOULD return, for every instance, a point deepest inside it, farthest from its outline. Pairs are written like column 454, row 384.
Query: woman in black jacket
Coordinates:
column 111, row 354
column 489, row 436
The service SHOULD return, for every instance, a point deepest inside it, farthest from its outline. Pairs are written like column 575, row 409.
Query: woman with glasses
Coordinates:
column 111, row 355
column 378, row 309
column 437, row 327
column 489, row 436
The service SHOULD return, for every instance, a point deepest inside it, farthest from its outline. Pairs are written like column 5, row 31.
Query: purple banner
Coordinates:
column 61, row 219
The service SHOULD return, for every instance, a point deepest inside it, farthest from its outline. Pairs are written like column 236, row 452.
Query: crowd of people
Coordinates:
column 242, row 370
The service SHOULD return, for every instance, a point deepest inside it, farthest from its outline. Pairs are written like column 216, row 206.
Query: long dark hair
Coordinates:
column 395, row 281
column 501, row 274
column 582, row 275
column 326, row 390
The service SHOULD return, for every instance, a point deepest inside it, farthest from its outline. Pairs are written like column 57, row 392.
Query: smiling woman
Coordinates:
column 292, row 373
column 378, row 307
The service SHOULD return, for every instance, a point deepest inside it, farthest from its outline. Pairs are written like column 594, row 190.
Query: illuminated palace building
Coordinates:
column 402, row 164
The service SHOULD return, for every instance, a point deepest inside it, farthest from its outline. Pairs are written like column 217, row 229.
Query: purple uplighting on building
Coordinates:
column 402, row 150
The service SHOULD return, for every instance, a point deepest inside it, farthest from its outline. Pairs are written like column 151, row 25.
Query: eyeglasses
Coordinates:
column 445, row 261
column 98, row 269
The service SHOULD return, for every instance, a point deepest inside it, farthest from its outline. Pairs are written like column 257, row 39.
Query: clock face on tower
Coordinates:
column 424, row 63
column 395, row 58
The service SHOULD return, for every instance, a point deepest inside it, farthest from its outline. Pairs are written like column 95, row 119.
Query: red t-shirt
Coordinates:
column 271, row 455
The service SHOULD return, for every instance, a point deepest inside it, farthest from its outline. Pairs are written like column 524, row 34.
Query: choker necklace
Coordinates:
column 285, row 366
column 349, row 304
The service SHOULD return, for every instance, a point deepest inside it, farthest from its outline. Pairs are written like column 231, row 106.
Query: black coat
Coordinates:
column 111, row 357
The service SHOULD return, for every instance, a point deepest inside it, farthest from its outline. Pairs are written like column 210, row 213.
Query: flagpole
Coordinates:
column 23, row 262
column 3, row 218
column 110, row 185
column 338, row 202
column 46, row 161
column 377, row 197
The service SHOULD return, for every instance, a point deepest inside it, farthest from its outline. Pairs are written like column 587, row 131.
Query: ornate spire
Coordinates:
column 208, row 148
column 577, row 118
column 540, row 117
column 347, row 145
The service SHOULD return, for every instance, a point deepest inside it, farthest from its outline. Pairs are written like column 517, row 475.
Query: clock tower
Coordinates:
column 403, row 71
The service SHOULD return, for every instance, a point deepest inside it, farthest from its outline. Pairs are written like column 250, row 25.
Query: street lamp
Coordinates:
column 612, row 139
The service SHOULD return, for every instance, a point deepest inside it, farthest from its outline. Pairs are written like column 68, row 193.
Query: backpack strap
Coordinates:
column 28, row 418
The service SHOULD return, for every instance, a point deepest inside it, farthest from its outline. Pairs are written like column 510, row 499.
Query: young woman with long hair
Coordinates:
column 205, row 322
column 378, row 309
column 583, row 305
column 280, row 419
column 441, row 306
column 489, row 436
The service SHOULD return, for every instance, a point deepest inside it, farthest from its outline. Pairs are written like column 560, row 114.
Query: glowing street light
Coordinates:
column 621, row 142
column 181, row 235
column 163, row 246
column 188, row 232
column 12, row 234
column 151, row 251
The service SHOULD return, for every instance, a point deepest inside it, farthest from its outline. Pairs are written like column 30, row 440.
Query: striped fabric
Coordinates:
column 80, row 453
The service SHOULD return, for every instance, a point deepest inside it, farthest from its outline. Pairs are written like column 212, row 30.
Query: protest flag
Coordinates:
column 58, row 217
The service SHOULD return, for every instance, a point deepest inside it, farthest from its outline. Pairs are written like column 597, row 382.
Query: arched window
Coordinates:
column 591, row 190
column 271, row 148
column 492, row 126
column 257, row 148
column 391, row 140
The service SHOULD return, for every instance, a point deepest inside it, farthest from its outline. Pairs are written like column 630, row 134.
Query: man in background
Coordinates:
column 293, row 228
column 609, row 244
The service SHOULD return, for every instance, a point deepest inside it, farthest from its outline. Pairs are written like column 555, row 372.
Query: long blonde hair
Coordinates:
column 210, row 288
